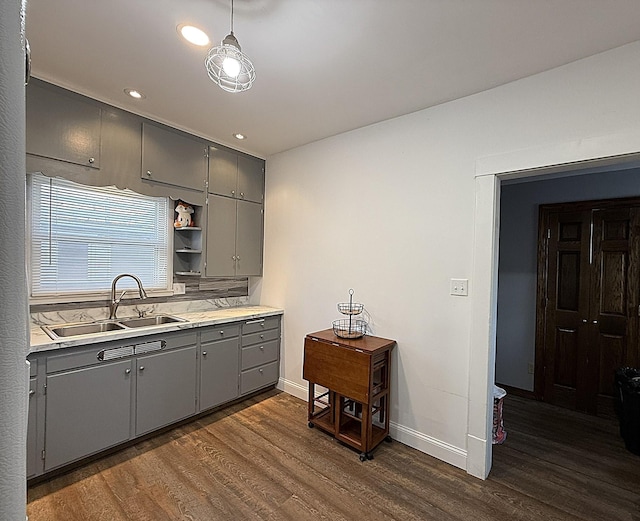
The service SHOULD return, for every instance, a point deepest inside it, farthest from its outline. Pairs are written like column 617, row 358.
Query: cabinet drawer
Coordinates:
column 261, row 337
column 259, row 354
column 88, row 355
column 220, row 332
column 253, row 326
column 254, row 379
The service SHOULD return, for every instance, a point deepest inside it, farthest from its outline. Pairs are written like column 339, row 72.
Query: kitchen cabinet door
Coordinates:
column 223, row 172
column 219, row 372
column 62, row 125
column 249, row 238
column 221, row 237
column 235, row 175
column 166, row 388
column 250, row 179
column 32, row 448
column 173, row 158
column 87, row 410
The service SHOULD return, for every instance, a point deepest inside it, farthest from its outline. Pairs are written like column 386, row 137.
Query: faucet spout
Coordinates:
column 114, row 302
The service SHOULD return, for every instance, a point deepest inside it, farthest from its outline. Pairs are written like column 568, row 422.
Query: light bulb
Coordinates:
column 231, row 66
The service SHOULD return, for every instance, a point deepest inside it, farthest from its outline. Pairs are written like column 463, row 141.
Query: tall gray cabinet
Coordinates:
column 235, row 222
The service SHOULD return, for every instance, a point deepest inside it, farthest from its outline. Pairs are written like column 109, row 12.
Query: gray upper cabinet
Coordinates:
column 62, row 125
column 235, row 175
column 234, row 237
column 172, row 157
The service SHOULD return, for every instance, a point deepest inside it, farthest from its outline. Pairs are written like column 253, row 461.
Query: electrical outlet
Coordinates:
column 460, row 287
column 179, row 288
column 530, row 368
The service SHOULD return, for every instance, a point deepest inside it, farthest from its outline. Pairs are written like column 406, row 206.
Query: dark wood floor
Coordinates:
column 259, row 460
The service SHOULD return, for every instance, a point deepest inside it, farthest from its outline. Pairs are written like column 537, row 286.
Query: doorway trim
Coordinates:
column 569, row 157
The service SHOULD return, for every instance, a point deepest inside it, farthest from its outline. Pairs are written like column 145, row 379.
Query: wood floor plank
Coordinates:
column 258, row 460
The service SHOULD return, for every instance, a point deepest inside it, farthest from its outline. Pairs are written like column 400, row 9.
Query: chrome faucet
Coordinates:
column 113, row 304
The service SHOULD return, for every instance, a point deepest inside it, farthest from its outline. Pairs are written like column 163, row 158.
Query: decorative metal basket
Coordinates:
column 350, row 308
column 349, row 328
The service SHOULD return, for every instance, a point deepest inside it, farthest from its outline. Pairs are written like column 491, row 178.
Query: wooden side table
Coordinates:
column 356, row 374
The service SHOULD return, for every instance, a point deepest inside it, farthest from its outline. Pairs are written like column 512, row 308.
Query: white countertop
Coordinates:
column 40, row 341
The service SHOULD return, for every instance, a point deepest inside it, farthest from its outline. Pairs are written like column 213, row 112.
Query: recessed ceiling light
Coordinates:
column 135, row 93
column 239, row 136
column 193, row 35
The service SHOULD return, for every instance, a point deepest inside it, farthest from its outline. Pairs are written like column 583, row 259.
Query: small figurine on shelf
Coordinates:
column 184, row 211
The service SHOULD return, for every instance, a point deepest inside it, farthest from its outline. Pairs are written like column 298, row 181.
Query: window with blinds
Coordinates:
column 81, row 237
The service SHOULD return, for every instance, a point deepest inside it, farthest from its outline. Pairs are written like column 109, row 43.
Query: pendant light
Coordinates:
column 228, row 66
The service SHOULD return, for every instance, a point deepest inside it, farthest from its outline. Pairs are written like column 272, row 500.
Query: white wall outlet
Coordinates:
column 460, row 287
column 179, row 288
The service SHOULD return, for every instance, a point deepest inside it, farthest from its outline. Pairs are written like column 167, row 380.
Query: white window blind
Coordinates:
column 83, row 236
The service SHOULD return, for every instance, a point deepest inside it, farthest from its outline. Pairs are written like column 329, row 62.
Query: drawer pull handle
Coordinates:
column 261, row 371
column 222, row 332
column 261, row 348
column 261, row 337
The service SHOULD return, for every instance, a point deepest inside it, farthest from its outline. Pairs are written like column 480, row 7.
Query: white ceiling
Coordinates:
column 322, row 66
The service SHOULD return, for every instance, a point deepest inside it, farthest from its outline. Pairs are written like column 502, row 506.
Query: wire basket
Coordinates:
column 349, row 328
column 350, row 308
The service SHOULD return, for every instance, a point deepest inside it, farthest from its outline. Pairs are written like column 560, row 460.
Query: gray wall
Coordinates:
column 515, row 339
column 13, row 304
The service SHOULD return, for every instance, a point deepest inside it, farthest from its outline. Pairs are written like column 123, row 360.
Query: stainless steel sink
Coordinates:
column 66, row 330
column 150, row 321
column 89, row 328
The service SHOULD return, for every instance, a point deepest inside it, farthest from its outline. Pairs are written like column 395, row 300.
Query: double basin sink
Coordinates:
column 87, row 328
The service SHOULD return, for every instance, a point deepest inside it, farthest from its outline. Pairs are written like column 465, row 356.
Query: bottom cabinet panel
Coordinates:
column 219, row 373
column 166, row 388
column 32, row 450
column 254, row 379
column 87, row 410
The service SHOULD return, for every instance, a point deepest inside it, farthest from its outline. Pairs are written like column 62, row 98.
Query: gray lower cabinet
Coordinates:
column 234, row 237
column 86, row 399
column 87, row 410
column 32, row 453
column 219, row 365
column 259, row 354
column 165, row 388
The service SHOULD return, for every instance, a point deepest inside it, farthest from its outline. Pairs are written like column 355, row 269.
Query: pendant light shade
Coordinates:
column 228, row 66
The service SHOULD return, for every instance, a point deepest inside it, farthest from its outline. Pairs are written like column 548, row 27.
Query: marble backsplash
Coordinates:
column 89, row 314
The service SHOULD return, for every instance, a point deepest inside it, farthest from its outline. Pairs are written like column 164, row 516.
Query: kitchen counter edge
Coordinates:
column 41, row 342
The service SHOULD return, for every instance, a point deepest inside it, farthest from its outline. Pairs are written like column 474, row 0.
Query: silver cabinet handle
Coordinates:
column 127, row 371
column 149, row 174
column 261, row 337
column 222, row 332
column 234, row 257
column 31, row 392
column 242, row 194
column 595, row 321
column 142, row 368
column 237, row 257
column 91, row 160
column 261, row 348
column 584, row 320
column 233, row 192
column 261, row 371
column 204, row 353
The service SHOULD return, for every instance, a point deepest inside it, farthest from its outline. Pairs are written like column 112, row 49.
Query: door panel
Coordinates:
column 590, row 280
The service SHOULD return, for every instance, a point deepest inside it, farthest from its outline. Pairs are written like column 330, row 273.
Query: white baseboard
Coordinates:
column 432, row 446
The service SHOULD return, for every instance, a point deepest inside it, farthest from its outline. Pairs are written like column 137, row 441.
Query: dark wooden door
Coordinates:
column 588, row 301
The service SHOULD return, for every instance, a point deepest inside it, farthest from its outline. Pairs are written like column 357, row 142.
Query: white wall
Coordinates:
column 13, row 305
column 518, row 259
column 389, row 211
